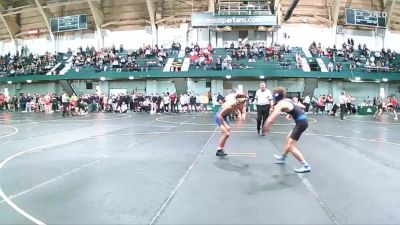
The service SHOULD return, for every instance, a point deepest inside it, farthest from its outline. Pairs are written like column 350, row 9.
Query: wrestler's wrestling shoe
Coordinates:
column 221, row 153
column 303, row 169
column 281, row 159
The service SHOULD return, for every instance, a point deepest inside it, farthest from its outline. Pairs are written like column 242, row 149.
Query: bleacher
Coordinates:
column 180, row 66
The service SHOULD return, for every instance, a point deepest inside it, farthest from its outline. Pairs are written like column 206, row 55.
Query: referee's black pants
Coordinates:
column 262, row 115
column 343, row 110
column 65, row 108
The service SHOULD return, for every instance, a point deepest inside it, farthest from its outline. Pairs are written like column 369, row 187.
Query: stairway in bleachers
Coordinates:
column 307, row 53
column 185, row 65
column 168, row 65
column 67, row 66
column 322, row 65
column 53, row 69
column 181, row 54
column 305, row 65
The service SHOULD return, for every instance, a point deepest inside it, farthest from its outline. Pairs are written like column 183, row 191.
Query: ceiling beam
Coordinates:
column 123, row 22
column 160, row 10
column 151, row 7
column 30, row 8
column 348, row 3
column 278, row 11
column 97, row 13
column 46, row 14
column 211, row 5
column 11, row 25
column 389, row 10
column 335, row 9
column 327, row 22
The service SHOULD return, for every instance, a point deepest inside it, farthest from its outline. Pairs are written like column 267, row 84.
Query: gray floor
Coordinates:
column 161, row 169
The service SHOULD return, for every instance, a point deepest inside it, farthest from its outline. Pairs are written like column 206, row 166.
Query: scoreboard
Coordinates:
column 69, row 23
column 362, row 17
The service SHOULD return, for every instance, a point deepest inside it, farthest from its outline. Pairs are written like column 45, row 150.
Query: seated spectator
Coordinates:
column 339, row 67
column 330, row 66
column 353, row 65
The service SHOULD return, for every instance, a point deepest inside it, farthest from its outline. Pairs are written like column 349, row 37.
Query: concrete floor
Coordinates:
column 162, row 169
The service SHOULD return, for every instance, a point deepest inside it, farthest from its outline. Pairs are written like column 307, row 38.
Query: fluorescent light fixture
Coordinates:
column 385, row 80
column 262, row 77
column 358, row 78
column 131, row 77
column 33, row 32
column 9, row 82
column 29, row 81
column 228, row 76
column 102, row 78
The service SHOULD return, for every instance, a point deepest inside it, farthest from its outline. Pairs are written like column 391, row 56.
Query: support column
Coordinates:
column 217, row 86
column 151, row 87
column 213, row 37
column 250, row 36
column 184, row 28
column 337, row 89
column 104, row 87
column 191, row 86
column 385, row 86
column 211, row 6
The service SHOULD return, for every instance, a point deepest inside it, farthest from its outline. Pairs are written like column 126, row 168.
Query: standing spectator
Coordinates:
column 307, row 102
column 264, row 103
column 395, row 104
column 329, row 103
column 192, row 101
column 28, row 106
column 173, row 101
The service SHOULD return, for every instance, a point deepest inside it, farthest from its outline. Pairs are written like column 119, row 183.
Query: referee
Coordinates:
column 343, row 100
column 263, row 100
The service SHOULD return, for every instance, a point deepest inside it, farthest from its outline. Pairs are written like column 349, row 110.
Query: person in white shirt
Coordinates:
column 263, row 100
column 307, row 103
column 166, row 100
column 343, row 100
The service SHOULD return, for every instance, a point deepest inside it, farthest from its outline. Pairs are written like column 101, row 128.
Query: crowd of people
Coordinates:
column 75, row 105
column 236, row 57
column 22, row 63
column 360, row 57
column 325, row 104
column 113, row 59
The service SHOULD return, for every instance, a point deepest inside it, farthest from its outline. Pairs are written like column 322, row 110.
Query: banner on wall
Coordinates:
column 209, row 19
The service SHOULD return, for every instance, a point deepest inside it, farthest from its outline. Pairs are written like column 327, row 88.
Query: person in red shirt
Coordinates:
column 395, row 104
column 174, row 102
column 210, row 47
column 2, row 101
